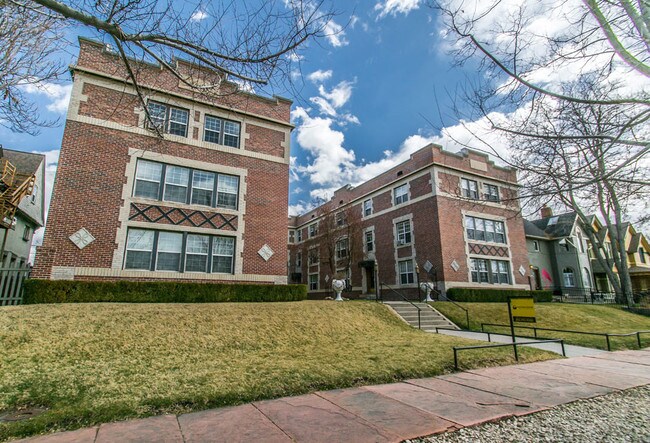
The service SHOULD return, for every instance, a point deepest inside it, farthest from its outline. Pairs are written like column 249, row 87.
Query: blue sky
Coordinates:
column 368, row 94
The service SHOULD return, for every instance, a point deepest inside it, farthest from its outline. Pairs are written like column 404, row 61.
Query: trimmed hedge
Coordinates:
column 71, row 291
column 496, row 295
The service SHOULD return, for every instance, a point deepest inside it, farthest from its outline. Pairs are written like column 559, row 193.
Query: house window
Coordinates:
column 176, row 179
column 223, row 252
column 170, row 246
column 313, row 230
column 581, row 243
column 196, row 253
column 147, row 179
column 642, row 255
column 489, row 271
column 168, row 119
column 569, row 278
column 299, row 235
column 485, row 230
column 292, row 236
column 406, row 274
column 470, row 188
column 370, row 241
column 492, row 193
column 203, row 186
column 139, row 249
column 341, row 248
column 163, row 251
column 220, row 131
column 27, row 233
column 298, row 259
column 313, row 282
column 340, row 218
column 313, row 256
column 367, row 207
column 401, row 194
column 403, row 229
column 535, row 246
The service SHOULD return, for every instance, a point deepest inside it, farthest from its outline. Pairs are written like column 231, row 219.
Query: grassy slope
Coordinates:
column 591, row 318
column 91, row 363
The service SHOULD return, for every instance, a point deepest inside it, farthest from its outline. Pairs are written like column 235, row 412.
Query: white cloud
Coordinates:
column 395, row 7
column 59, row 95
column 324, row 106
column 243, row 85
column 349, row 118
column 320, row 76
column 199, row 16
column 295, row 57
column 335, row 34
column 339, row 95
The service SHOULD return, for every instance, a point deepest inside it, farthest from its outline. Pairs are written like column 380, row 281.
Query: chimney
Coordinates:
column 546, row 211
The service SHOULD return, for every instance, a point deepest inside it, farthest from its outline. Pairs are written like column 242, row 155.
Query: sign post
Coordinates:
column 520, row 309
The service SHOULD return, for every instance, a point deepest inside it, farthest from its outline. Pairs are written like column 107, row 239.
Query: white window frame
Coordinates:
column 406, row 272
column 466, row 188
column 341, row 248
column 370, row 232
column 164, row 123
column 366, row 210
column 493, row 197
column 569, row 277
column 223, row 131
column 312, row 230
column 313, row 256
column 403, row 236
column 403, row 196
column 316, row 282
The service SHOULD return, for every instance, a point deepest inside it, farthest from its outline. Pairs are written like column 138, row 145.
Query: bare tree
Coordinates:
column 568, row 102
column 29, row 39
column 250, row 43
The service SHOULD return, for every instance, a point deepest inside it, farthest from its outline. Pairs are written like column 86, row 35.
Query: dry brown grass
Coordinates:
column 91, row 363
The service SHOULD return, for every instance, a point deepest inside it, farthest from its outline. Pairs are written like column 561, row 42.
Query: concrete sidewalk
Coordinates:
column 392, row 412
column 570, row 350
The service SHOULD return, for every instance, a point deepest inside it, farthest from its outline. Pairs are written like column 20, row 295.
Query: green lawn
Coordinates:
column 92, row 363
column 588, row 318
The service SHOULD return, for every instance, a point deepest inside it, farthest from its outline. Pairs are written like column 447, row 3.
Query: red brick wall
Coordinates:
column 110, row 105
column 265, row 141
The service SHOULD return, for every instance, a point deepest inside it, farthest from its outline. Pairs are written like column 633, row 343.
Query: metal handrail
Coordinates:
column 405, row 299
column 607, row 335
column 501, row 345
column 461, row 307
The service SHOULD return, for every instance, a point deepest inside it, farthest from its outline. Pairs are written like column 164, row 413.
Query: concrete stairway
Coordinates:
column 430, row 319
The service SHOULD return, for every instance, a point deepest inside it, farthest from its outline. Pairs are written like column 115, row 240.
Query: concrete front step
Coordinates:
column 429, row 317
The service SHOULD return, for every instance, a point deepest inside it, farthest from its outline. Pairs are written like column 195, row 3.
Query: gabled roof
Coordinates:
column 532, row 230
column 26, row 163
column 634, row 243
column 556, row 226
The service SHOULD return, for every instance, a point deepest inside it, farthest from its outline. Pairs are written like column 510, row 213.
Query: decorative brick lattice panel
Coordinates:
column 186, row 217
column 494, row 251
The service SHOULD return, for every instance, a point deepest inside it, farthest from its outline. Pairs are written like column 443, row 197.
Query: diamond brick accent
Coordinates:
column 178, row 216
column 495, row 251
column 82, row 238
column 265, row 252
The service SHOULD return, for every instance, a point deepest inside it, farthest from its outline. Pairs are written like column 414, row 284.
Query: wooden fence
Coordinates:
column 11, row 285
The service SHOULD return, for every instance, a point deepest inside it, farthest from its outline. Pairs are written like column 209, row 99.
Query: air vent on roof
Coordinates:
column 341, row 202
column 399, row 173
column 552, row 221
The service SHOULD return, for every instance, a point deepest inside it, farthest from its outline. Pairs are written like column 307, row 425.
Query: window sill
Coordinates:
column 488, row 243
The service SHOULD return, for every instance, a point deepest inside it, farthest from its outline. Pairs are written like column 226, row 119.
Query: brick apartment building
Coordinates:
column 458, row 211
column 208, row 202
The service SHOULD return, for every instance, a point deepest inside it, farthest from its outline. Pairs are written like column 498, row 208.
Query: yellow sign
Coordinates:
column 522, row 309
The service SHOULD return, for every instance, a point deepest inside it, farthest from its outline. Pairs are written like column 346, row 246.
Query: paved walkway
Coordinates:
column 570, row 350
column 389, row 413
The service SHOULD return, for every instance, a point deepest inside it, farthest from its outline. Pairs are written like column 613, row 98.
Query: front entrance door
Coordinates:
column 370, row 279
column 537, row 278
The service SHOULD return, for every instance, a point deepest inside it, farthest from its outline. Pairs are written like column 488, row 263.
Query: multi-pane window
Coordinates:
column 299, row 235
column 169, row 250
column 340, row 218
column 403, row 229
column 370, row 241
column 185, row 185
column 313, row 230
column 223, row 251
column 202, row 188
column 298, row 259
column 27, row 233
column 401, row 194
column 489, row 271
column 220, row 131
column 313, row 256
column 176, row 183
column 341, row 248
column 196, row 253
column 535, row 245
column 163, row 251
column 642, row 255
column 406, row 274
column 147, row 179
column 485, row 230
column 168, row 118
column 569, row 277
column 139, row 249
column 367, row 207
column 470, row 188
column 313, row 282
column 491, row 193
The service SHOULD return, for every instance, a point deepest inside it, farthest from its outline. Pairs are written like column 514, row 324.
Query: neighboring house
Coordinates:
column 206, row 203
column 457, row 211
column 638, row 260
column 558, row 253
column 29, row 214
